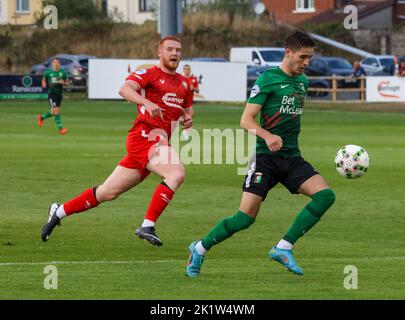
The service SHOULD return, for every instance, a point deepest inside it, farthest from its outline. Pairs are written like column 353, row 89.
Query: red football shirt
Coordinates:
column 171, row 92
column 193, row 82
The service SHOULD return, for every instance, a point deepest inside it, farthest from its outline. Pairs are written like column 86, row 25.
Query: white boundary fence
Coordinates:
column 219, row 81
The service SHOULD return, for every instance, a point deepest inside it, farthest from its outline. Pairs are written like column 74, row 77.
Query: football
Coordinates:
column 352, row 161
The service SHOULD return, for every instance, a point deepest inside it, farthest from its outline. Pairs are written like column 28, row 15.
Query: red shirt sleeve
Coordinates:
column 188, row 101
column 141, row 77
column 195, row 83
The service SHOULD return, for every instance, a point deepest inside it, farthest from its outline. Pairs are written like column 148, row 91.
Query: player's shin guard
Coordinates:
column 83, row 202
column 310, row 215
column 226, row 228
column 160, row 200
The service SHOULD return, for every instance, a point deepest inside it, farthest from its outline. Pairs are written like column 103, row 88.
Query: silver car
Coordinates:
column 76, row 66
column 377, row 64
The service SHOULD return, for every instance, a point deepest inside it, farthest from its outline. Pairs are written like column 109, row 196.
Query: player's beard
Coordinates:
column 171, row 65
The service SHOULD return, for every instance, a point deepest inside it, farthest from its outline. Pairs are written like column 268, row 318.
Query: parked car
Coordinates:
column 254, row 72
column 76, row 66
column 377, row 63
column 258, row 56
column 390, row 69
column 329, row 66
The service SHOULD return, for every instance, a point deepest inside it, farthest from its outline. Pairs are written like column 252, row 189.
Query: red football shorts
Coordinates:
column 139, row 146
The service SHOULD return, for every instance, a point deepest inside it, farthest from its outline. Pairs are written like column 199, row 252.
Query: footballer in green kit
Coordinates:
column 54, row 79
column 278, row 96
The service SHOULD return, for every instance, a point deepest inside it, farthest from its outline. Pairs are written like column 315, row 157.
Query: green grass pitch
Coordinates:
column 98, row 257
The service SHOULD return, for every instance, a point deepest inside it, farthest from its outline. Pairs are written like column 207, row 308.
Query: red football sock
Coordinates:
column 83, row 202
column 160, row 199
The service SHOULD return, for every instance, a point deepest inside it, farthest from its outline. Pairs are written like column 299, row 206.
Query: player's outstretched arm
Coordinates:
column 248, row 122
column 129, row 91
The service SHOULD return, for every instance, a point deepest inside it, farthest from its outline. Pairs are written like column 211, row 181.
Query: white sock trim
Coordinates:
column 200, row 249
column 60, row 212
column 148, row 223
column 282, row 244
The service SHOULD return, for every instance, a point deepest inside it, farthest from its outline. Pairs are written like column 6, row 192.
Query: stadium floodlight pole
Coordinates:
column 170, row 17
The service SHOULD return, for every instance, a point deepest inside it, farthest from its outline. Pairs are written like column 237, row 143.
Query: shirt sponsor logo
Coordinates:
column 171, row 100
column 288, row 106
column 141, row 71
column 255, row 91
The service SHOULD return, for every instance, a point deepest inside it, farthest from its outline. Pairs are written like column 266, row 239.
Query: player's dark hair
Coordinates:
column 297, row 40
column 167, row 38
column 186, row 66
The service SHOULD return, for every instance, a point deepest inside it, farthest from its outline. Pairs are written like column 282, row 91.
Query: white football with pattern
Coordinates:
column 352, row 161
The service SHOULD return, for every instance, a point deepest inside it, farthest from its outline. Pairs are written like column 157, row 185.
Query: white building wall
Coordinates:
column 128, row 10
column 3, row 12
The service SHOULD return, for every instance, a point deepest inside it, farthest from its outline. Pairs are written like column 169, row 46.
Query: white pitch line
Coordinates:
column 354, row 259
column 2, row 264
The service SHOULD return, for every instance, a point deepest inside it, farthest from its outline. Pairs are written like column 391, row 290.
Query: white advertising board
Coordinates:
column 219, row 81
column 385, row 89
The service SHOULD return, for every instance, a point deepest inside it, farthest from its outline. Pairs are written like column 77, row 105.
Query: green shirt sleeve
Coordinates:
column 304, row 79
column 260, row 91
column 64, row 75
column 46, row 75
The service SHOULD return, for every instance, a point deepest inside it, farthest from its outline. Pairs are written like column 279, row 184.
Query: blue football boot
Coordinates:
column 195, row 261
column 286, row 258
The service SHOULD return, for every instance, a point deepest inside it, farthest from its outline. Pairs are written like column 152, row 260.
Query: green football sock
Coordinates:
column 310, row 215
column 226, row 228
column 58, row 121
column 46, row 115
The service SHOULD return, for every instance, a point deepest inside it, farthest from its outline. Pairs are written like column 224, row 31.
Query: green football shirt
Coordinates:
column 282, row 99
column 53, row 78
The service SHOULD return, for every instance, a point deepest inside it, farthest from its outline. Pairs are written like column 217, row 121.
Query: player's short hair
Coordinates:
column 297, row 40
column 168, row 38
column 55, row 59
column 186, row 66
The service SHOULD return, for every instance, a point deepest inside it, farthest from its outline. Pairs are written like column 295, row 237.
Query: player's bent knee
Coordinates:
column 322, row 201
column 329, row 197
column 180, row 178
column 107, row 195
column 177, row 178
column 238, row 222
column 111, row 196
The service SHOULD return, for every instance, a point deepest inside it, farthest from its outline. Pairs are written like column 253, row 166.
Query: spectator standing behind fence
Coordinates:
column 401, row 71
column 358, row 70
column 394, row 70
